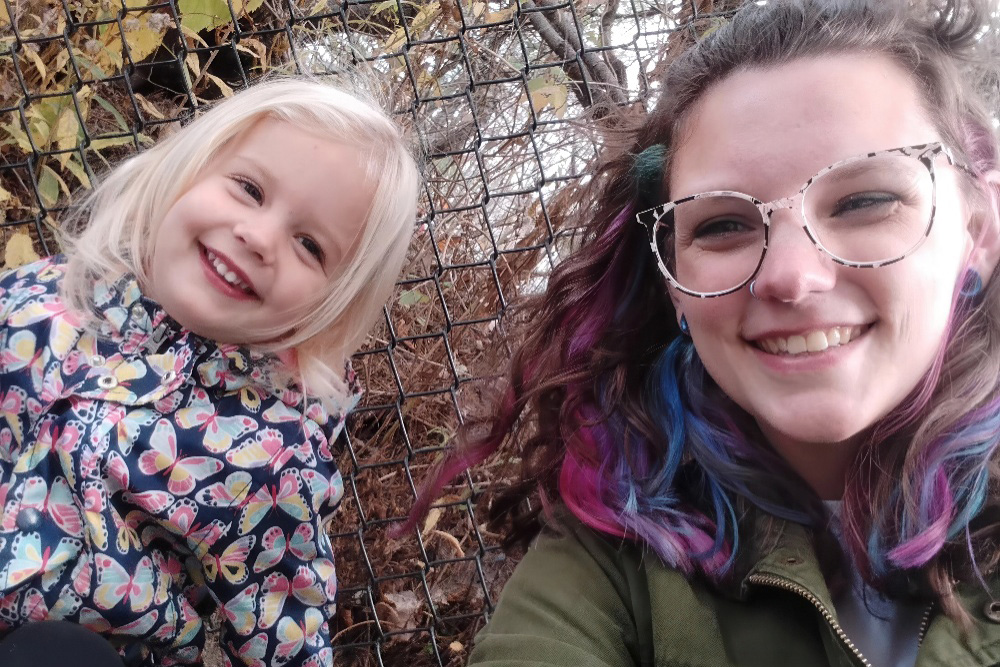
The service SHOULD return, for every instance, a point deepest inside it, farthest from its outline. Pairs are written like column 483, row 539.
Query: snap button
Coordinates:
column 992, row 611
column 29, row 519
column 169, row 377
column 97, row 360
column 107, row 382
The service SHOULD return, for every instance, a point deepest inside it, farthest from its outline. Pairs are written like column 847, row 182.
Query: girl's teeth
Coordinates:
column 225, row 273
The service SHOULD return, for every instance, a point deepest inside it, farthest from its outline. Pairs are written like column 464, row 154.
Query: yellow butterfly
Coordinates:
column 232, row 563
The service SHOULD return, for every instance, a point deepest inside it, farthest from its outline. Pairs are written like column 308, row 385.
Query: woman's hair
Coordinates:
column 612, row 412
column 112, row 231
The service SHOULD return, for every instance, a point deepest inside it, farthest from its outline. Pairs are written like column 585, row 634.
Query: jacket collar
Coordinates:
column 140, row 327
column 793, row 561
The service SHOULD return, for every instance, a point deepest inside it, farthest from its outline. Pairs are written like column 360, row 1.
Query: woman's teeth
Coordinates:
column 814, row 341
column 226, row 274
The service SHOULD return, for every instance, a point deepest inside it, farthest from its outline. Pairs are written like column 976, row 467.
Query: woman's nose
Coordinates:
column 794, row 266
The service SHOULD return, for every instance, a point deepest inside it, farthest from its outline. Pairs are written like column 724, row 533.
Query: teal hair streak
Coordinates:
column 648, row 173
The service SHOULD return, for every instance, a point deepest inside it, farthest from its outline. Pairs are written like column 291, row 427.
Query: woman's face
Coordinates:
column 764, row 132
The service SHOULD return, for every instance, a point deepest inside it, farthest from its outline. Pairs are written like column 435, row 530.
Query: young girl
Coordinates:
column 763, row 400
column 170, row 389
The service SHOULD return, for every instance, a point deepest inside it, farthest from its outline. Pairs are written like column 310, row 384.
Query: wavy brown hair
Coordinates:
column 612, row 414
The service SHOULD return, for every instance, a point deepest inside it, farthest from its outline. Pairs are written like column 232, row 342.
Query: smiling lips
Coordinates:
column 228, row 273
column 813, row 341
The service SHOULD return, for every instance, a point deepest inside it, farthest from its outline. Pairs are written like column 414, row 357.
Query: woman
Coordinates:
column 802, row 472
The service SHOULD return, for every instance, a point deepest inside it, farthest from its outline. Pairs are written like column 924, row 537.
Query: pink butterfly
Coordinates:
column 181, row 521
column 252, row 653
column 141, row 626
column 240, row 611
column 115, row 584
column 267, row 448
column 276, row 588
column 232, row 493
column 293, row 636
column 35, row 609
column 55, row 501
column 183, row 472
column 285, row 496
column 94, row 502
column 324, row 658
column 275, row 543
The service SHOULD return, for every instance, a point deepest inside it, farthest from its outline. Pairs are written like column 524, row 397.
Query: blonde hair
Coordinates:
column 111, row 232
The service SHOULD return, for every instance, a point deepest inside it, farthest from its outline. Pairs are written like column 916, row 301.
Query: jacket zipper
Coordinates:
column 925, row 623
column 778, row 582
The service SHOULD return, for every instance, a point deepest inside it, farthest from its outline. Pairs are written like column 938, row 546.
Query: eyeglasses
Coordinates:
column 866, row 212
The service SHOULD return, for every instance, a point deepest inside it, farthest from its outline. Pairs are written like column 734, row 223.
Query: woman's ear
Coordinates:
column 985, row 253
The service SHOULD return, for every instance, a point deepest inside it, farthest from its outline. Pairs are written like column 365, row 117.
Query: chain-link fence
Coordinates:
column 496, row 93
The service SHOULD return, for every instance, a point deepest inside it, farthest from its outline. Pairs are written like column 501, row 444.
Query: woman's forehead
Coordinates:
column 777, row 126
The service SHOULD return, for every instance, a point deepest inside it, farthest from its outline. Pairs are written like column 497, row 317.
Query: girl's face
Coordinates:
column 764, row 132
column 254, row 242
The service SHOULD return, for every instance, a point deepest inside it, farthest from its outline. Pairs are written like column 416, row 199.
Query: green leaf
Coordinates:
column 74, row 167
column 48, row 186
column 411, row 297
column 110, row 108
column 201, row 15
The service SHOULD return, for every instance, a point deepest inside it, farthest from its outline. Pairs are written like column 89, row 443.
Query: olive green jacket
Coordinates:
column 583, row 600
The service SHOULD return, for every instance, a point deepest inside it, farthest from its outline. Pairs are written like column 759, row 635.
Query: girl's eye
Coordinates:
column 251, row 189
column 312, row 247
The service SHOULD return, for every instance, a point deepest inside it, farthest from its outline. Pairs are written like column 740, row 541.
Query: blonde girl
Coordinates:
column 170, row 388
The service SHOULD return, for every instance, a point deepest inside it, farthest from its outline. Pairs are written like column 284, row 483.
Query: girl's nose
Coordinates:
column 794, row 266
column 259, row 236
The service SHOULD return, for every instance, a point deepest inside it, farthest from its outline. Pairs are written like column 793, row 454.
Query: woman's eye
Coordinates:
column 863, row 200
column 721, row 227
column 312, row 247
column 251, row 189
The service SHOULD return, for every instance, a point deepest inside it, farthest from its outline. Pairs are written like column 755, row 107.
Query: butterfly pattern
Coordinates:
column 145, row 468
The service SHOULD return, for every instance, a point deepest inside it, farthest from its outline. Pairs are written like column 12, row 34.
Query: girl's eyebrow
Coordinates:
column 256, row 166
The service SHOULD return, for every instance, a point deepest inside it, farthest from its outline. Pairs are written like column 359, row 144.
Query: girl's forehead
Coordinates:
column 777, row 126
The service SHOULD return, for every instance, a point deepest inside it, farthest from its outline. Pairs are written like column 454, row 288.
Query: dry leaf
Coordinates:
column 431, row 521
column 19, row 251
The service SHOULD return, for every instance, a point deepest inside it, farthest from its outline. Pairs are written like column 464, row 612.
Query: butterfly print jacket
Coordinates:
column 147, row 470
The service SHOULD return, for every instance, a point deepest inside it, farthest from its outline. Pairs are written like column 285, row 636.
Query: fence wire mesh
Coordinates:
column 495, row 93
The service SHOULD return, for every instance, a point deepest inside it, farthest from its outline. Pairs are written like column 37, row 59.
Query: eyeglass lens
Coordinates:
column 868, row 210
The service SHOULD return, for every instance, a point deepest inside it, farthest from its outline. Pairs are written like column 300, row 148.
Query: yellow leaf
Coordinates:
column 37, row 61
column 19, row 251
column 4, row 16
column 144, row 41
column 149, row 107
column 17, row 134
column 456, row 647
column 223, row 86
column 192, row 35
column 431, row 521
column 254, row 47
column 64, row 134
column 98, row 144
column 4, row 195
column 193, row 64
